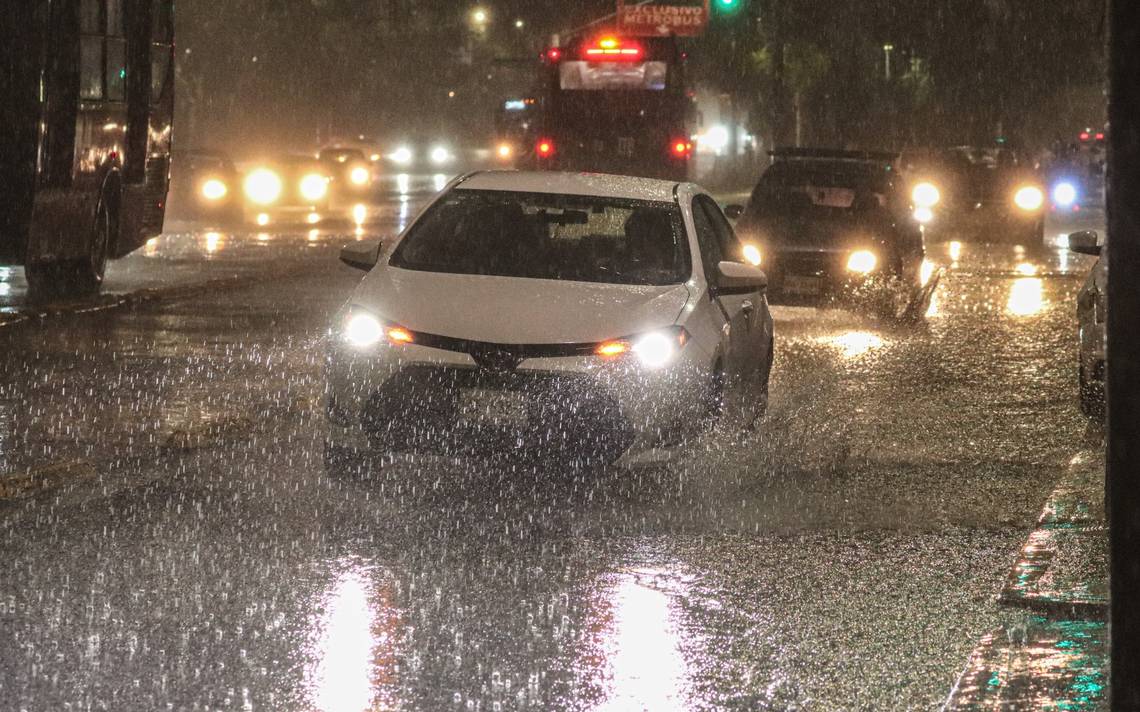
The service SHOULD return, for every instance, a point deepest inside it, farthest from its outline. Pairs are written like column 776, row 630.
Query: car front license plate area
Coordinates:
column 493, row 407
column 806, row 286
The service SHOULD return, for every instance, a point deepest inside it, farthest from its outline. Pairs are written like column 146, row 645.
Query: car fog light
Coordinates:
column 862, row 261
column 1029, row 198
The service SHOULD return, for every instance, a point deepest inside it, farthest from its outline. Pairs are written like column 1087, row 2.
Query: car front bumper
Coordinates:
column 414, row 397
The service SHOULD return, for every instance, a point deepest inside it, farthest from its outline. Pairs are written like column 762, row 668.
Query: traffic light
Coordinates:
column 727, row 7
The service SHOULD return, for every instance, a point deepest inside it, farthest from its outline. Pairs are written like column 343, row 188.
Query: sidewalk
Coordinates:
column 1053, row 655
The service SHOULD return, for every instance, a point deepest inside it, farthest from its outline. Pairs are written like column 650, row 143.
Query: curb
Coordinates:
column 1070, row 518
column 147, row 295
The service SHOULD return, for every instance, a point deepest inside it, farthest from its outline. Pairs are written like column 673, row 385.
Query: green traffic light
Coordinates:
column 728, row 7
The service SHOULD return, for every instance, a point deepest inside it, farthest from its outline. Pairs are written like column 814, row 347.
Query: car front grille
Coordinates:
column 423, row 408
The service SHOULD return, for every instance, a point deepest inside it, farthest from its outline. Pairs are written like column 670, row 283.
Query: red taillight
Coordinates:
column 1100, row 137
column 544, row 148
column 553, row 54
column 611, row 48
column 681, row 148
column 1084, row 136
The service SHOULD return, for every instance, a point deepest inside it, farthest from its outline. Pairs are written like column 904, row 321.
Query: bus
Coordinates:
column 616, row 105
column 88, row 89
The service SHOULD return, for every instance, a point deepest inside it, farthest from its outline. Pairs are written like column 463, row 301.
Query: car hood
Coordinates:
column 509, row 310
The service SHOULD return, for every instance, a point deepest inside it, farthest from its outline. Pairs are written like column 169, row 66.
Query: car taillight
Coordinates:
column 680, row 148
column 544, row 148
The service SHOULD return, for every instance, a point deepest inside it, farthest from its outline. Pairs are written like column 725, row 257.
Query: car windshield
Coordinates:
column 819, row 189
column 545, row 236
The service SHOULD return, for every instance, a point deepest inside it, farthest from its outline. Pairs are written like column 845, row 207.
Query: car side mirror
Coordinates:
column 1086, row 242
column 361, row 255
column 733, row 212
column 739, row 278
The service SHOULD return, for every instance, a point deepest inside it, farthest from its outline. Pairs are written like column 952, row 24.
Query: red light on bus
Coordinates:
column 681, row 148
column 544, row 148
column 611, row 49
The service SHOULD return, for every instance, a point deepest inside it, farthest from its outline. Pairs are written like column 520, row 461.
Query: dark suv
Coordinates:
column 832, row 224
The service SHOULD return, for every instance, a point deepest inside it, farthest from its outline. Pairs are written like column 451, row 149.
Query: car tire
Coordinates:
column 1091, row 396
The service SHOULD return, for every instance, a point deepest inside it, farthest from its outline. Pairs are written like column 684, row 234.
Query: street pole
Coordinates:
column 1123, row 388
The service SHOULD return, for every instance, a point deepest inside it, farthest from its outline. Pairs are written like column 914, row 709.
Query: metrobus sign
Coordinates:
column 657, row 18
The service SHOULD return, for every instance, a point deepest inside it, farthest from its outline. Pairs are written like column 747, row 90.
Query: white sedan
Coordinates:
column 579, row 316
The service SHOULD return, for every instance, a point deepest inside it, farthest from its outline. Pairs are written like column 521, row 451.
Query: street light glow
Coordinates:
column 479, row 16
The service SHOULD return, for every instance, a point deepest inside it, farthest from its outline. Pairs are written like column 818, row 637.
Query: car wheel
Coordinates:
column 715, row 398
column 80, row 277
column 1091, row 396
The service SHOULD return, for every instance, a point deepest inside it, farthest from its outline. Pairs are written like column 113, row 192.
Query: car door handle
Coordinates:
column 748, row 307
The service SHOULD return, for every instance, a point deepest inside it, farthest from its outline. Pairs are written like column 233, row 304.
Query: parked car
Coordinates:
column 577, row 316
column 833, row 225
column 205, row 187
column 1092, row 314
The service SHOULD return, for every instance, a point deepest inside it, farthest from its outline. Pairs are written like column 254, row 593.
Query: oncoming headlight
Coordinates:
column 440, row 155
column 263, row 186
column 862, row 261
column 752, row 254
column 654, row 349
column 359, row 175
column 314, row 186
column 214, row 189
column 925, row 195
column 363, row 329
column 1029, row 198
column 1064, row 194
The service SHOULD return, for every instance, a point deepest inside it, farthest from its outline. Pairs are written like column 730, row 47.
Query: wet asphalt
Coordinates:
column 169, row 539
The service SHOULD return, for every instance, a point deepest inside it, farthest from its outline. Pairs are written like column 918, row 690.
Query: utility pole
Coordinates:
column 1123, row 466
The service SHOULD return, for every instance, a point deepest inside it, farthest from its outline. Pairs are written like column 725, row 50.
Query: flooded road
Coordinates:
column 169, row 539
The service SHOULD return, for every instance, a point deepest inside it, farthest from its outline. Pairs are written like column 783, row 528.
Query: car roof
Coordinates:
column 601, row 185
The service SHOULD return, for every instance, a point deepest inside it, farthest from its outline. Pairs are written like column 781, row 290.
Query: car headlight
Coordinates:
column 752, row 254
column 263, row 186
column 1064, row 194
column 505, row 151
column 364, row 329
column 926, row 195
column 862, row 261
column 314, row 186
column 359, row 175
column 402, row 156
column 214, row 189
column 1029, row 198
column 654, row 349
column 440, row 155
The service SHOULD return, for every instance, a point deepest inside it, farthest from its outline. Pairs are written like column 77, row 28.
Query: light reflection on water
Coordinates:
column 646, row 670
column 1026, row 297
column 855, row 343
column 354, row 656
column 214, row 242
